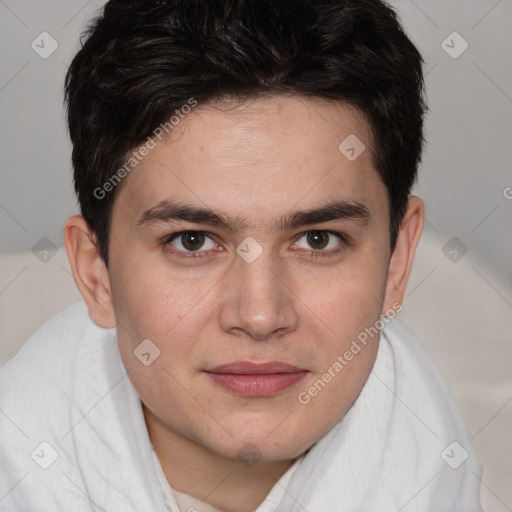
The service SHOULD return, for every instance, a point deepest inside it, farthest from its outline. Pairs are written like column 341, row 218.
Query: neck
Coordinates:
column 227, row 484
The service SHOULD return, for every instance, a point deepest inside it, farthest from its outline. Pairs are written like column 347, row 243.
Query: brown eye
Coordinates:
column 192, row 240
column 317, row 239
column 321, row 242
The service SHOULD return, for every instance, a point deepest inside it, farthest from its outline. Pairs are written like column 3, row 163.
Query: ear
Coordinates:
column 89, row 270
column 402, row 258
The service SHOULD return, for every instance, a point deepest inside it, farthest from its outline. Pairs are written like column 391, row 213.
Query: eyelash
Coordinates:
column 344, row 239
column 181, row 254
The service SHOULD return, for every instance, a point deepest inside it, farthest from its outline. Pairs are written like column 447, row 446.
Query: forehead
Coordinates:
column 261, row 157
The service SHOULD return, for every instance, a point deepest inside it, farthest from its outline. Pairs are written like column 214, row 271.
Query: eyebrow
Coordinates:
column 167, row 211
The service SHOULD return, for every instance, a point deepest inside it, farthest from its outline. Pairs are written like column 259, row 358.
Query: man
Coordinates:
column 244, row 172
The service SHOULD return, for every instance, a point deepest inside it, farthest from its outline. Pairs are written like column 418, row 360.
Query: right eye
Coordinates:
column 190, row 242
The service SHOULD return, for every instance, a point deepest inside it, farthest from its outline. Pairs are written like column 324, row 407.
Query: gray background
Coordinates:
column 467, row 162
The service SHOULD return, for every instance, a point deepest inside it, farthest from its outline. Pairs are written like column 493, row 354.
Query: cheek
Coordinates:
column 349, row 304
column 350, row 307
column 349, row 299
column 171, row 312
column 151, row 301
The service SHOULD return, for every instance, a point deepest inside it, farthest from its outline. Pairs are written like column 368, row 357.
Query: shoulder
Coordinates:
column 38, row 378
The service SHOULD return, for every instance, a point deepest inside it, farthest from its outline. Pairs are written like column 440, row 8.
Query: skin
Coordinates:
column 259, row 161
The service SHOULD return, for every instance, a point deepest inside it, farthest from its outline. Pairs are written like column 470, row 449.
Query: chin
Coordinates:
column 268, row 439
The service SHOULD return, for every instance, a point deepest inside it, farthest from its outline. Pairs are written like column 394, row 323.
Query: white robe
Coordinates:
column 74, row 439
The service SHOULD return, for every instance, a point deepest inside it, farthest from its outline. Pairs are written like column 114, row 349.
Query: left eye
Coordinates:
column 320, row 240
column 191, row 241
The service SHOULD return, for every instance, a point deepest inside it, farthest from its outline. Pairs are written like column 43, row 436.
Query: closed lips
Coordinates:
column 256, row 379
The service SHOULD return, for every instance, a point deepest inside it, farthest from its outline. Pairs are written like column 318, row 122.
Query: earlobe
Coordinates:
column 402, row 258
column 89, row 271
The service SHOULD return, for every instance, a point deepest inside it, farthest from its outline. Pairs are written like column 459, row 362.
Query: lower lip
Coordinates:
column 256, row 384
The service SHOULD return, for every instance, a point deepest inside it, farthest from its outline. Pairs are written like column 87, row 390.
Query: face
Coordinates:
column 248, row 239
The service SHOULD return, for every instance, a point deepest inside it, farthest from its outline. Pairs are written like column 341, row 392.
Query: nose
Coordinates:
column 257, row 300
